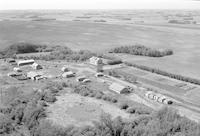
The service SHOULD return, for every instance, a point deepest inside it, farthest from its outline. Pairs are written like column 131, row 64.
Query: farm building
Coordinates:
column 119, row 88
column 17, row 69
column 32, row 75
column 11, row 60
column 99, row 74
column 80, row 78
column 25, row 62
column 68, row 74
column 64, row 69
column 14, row 74
column 95, row 61
column 36, row 66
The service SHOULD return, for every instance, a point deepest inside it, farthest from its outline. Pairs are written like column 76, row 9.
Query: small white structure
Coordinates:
column 25, row 62
column 86, row 80
column 68, row 74
column 17, row 69
column 36, row 66
column 118, row 88
column 80, row 78
column 96, row 61
column 99, row 74
column 64, row 69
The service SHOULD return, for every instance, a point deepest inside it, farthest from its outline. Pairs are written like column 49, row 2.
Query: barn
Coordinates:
column 68, row 74
column 36, row 66
column 96, row 61
column 25, row 62
column 118, row 88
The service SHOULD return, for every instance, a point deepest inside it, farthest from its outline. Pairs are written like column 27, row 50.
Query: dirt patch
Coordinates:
column 78, row 110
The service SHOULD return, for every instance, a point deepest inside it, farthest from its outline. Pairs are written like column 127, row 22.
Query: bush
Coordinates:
column 114, row 100
column 131, row 110
column 123, row 106
column 99, row 95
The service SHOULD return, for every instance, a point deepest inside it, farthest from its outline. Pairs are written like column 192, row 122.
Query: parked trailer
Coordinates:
column 159, row 98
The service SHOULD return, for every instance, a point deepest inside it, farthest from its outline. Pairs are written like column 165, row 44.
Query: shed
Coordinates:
column 80, row 78
column 96, row 61
column 99, row 74
column 68, row 74
column 64, row 69
column 25, row 62
column 36, row 66
column 17, row 69
column 119, row 88
column 11, row 60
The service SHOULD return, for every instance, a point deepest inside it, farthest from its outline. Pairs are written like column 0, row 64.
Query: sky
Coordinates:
column 98, row 4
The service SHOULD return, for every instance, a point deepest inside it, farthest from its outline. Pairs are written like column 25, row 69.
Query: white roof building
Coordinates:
column 68, row 74
column 25, row 62
column 96, row 61
column 118, row 88
column 17, row 69
column 36, row 66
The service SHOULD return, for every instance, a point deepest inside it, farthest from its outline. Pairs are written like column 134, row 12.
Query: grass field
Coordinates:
column 79, row 110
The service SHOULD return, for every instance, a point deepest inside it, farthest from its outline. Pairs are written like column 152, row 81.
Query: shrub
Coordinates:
column 114, row 100
column 99, row 95
column 123, row 106
column 114, row 62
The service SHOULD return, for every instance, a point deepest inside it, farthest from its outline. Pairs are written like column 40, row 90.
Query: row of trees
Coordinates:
column 164, row 73
column 165, row 122
column 142, row 51
column 56, row 52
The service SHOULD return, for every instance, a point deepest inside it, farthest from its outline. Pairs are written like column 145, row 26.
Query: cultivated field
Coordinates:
column 118, row 29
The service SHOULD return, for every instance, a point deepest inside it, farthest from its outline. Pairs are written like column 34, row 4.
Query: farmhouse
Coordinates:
column 68, row 74
column 36, row 66
column 25, row 62
column 119, row 88
column 95, row 61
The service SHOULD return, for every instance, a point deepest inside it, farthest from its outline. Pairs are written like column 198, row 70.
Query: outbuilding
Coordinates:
column 118, row 88
column 64, row 69
column 17, row 69
column 80, row 78
column 68, row 74
column 14, row 74
column 36, row 66
column 96, row 61
column 11, row 60
column 25, row 62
